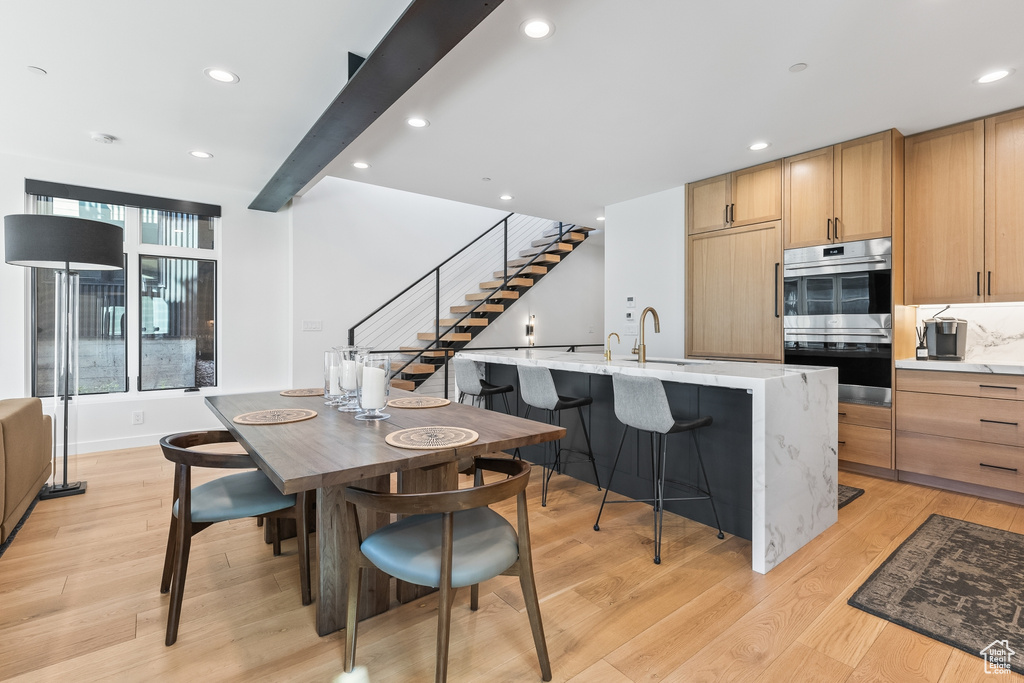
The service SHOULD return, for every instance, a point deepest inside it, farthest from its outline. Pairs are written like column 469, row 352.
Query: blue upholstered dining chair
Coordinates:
column 235, row 496
column 450, row 540
column 641, row 404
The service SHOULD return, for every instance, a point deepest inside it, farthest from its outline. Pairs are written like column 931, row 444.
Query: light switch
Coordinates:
column 312, row 326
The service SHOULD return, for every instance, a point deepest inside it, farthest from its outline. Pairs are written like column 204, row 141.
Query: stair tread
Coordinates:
column 406, row 384
column 414, row 368
column 543, row 258
column 500, row 294
column 528, row 270
column 451, row 336
column 551, row 232
column 483, row 308
column 512, row 282
column 567, row 237
column 468, row 322
column 555, row 248
column 433, row 353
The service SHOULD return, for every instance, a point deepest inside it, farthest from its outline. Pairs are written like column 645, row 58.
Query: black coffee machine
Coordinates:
column 946, row 338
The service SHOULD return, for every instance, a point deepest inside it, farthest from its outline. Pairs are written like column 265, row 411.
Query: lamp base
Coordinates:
column 62, row 490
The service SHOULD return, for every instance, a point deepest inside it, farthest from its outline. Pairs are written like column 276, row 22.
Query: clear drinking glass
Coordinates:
column 374, row 385
column 332, row 378
column 351, row 368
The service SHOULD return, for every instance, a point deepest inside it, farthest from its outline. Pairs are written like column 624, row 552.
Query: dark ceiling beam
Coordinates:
column 424, row 34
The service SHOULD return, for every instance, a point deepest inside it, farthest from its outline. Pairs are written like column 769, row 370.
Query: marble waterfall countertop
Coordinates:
column 997, row 367
column 794, row 437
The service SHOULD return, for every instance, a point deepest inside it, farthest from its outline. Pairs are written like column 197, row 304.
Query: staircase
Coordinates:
column 466, row 318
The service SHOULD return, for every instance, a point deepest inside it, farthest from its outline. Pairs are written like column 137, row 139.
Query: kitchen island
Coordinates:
column 770, row 452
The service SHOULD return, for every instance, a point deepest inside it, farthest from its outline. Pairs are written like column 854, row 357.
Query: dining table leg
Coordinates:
column 332, row 598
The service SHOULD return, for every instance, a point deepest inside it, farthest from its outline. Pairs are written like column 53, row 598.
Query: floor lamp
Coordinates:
column 67, row 245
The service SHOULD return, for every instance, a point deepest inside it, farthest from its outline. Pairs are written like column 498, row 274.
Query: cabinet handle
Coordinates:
column 998, row 467
column 842, row 443
column 842, row 414
column 828, row 229
column 835, row 228
column 998, row 422
column 979, row 283
column 990, row 283
column 732, row 213
column 777, row 289
column 727, row 214
column 996, row 386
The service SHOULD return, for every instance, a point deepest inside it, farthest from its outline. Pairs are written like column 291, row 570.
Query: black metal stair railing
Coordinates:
column 446, row 285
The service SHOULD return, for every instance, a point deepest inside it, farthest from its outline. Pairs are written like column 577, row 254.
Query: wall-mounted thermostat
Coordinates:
column 630, row 302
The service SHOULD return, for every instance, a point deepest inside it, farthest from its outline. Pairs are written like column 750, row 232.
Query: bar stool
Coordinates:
column 537, row 388
column 469, row 383
column 641, row 403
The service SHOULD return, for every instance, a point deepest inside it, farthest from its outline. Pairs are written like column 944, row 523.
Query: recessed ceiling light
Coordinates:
column 600, row 218
column 506, row 197
column 102, row 138
column 537, row 28
column 221, row 75
column 995, row 76
column 758, row 146
column 417, row 122
column 199, row 154
column 798, row 67
column 360, row 164
column 37, row 70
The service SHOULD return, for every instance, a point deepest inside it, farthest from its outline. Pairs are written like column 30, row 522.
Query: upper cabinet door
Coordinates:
column 945, row 215
column 756, row 195
column 1003, row 279
column 863, row 188
column 807, row 204
column 707, row 204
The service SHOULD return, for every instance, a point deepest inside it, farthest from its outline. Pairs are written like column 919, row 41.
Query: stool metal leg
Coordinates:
column 659, row 514
column 707, row 483
column 590, row 451
column 597, row 522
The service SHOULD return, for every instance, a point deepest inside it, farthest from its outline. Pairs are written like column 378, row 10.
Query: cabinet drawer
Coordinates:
column 962, row 383
column 978, row 419
column 869, row 416
column 865, row 445
column 985, row 464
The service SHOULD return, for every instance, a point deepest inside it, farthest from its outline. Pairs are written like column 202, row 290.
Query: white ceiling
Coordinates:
column 626, row 98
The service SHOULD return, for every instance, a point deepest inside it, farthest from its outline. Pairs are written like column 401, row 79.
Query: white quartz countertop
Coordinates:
column 732, row 375
column 1001, row 367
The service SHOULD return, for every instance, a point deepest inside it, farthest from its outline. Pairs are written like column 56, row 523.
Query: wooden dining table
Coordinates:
column 333, row 450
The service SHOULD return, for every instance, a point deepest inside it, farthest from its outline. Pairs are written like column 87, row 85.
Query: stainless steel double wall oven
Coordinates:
column 837, row 302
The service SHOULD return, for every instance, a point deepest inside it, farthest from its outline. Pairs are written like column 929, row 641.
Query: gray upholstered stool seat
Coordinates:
column 641, row 404
column 537, row 387
column 469, row 383
column 484, row 546
column 236, row 496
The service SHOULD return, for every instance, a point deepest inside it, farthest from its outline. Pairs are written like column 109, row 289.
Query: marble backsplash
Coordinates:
column 995, row 332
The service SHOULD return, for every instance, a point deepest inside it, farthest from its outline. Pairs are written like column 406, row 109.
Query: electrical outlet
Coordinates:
column 632, row 329
column 312, row 326
column 138, row 417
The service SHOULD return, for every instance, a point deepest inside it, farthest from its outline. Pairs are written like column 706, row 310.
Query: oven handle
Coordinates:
column 833, row 333
column 826, row 264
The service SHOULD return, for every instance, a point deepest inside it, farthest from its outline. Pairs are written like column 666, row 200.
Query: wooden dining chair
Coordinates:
column 235, row 496
column 450, row 539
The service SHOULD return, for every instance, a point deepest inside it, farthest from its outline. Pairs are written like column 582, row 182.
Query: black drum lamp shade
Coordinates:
column 62, row 243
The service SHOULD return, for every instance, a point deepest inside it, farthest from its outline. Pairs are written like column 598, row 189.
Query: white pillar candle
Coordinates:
column 373, row 395
column 348, row 375
column 334, row 382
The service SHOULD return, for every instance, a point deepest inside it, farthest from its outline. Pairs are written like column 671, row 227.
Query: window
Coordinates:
column 157, row 316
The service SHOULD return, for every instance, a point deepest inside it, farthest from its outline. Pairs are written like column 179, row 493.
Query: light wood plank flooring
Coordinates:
column 80, row 600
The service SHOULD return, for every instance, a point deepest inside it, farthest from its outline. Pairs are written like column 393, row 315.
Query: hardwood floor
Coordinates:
column 80, row 600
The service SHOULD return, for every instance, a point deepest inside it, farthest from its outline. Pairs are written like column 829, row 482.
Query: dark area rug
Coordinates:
column 957, row 582
column 847, row 494
column 21, row 522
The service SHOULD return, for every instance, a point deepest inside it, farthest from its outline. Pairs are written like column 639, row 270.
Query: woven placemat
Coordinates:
column 278, row 416
column 429, row 438
column 418, row 402
column 313, row 391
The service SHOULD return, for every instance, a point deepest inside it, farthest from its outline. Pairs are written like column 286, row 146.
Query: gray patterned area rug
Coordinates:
column 957, row 582
column 847, row 494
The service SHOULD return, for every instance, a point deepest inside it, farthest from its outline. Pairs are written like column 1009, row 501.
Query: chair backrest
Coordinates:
column 450, row 501
column 537, row 387
column 176, row 449
column 467, row 376
column 641, row 403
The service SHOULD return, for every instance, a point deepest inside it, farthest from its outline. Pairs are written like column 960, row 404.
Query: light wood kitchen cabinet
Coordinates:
column 963, row 427
column 1004, row 207
column 945, row 215
column 752, row 195
column 843, row 193
column 734, row 281
column 865, row 435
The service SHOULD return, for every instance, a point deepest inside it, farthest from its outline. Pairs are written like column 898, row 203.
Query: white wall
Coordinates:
column 254, row 300
column 645, row 240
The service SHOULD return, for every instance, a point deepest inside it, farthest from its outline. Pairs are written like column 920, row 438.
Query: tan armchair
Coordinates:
column 26, row 441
